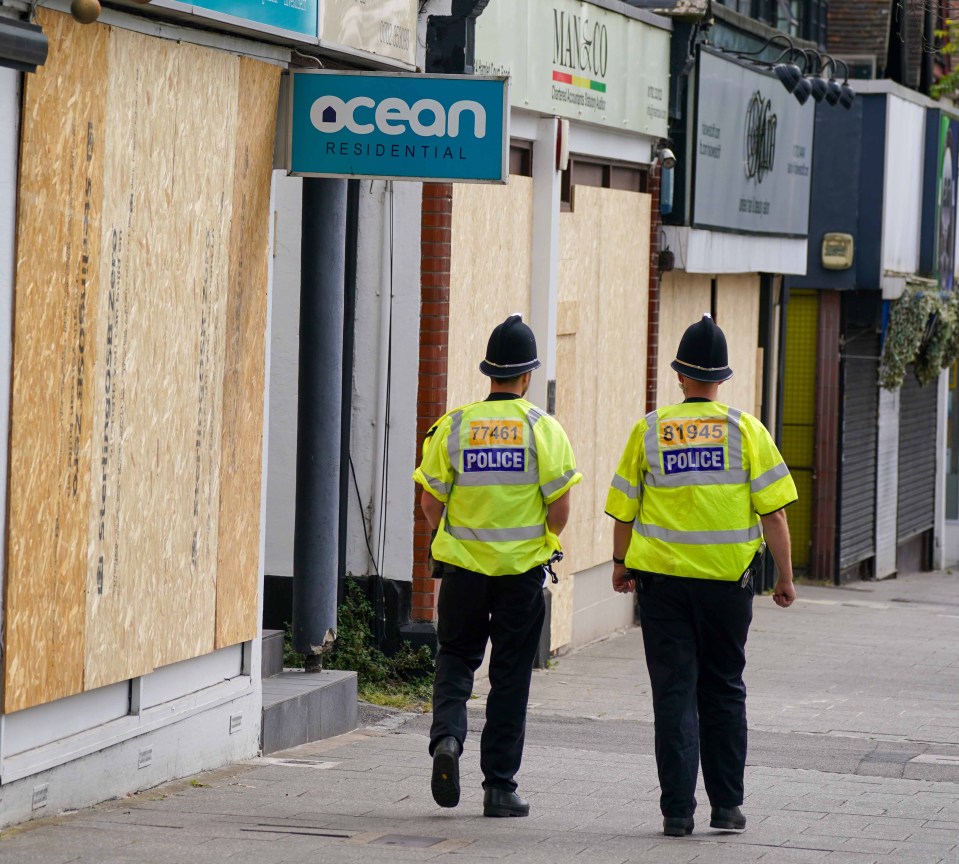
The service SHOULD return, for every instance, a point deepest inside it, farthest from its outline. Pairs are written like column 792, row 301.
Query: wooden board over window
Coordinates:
column 136, row 427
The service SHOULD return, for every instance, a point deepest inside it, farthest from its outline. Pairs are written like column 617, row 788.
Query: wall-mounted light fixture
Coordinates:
column 805, row 81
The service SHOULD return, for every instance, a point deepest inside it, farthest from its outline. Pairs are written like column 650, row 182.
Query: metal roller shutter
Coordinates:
column 918, row 407
column 857, row 483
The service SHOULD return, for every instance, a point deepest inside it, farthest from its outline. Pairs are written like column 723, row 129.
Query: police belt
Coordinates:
column 745, row 581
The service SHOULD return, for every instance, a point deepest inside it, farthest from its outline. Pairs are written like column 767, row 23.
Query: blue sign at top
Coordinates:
column 410, row 127
column 297, row 16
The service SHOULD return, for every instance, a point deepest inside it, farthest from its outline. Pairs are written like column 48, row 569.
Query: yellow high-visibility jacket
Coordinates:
column 694, row 480
column 496, row 465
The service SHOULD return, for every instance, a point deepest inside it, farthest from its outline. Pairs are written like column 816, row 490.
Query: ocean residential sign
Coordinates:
column 752, row 151
column 409, row 127
column 576, row 60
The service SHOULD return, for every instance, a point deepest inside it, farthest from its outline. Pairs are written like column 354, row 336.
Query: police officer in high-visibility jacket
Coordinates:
column 496, row 477
column 699, row 489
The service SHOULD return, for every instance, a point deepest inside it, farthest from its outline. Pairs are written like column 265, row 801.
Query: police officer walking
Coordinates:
column 699, row 491
column 496, row 477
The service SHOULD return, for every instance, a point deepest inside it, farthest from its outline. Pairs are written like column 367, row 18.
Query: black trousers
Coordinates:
column 509, row 611
column 694, row 634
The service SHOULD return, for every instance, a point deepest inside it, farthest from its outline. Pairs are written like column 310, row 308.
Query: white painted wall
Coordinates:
column 376, row 367
column 902, row 207
column 712, row 252
column 887, row 483
column 385, row 368
column 284, row 340
column 9, row 136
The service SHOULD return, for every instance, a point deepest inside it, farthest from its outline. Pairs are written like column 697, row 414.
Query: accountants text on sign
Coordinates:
column 411, row 127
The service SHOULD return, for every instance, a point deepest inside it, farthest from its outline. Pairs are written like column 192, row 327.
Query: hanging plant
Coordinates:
column 908, row 323
column 939, row 348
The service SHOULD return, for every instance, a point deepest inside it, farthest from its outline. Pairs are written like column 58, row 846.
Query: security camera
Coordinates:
column 667, row 158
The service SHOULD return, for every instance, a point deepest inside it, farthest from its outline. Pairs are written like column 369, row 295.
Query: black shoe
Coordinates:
column 678, row 826
column 502, row 802
column 446, row 772
column 727, row 819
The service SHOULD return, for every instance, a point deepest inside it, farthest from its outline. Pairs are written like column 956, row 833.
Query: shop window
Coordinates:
column 521, row 158
column 604, row 175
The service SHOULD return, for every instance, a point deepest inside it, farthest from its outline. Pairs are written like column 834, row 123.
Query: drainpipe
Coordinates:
column 319, row 417
column 382, row 383
column 349, row 340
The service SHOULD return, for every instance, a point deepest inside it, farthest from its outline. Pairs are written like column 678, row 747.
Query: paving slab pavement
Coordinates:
column 854, row 758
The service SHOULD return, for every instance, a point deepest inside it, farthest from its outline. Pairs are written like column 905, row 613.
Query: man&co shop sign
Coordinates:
column 752, row 151
column 452, row 128
column 576, row 60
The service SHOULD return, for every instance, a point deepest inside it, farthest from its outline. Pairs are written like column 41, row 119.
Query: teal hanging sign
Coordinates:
column 451, row 128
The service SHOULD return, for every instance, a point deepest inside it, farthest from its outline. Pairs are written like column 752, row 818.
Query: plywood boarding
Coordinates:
column 243, row 385
column 737, row 312
column 601, row 368
column 683, row 298
column 146, row 534
column 120, row 609
column 57, row 296
column 489, row 275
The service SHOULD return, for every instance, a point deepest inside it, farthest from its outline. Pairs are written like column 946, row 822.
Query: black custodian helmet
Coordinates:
column 702, row 353
column 511, row 350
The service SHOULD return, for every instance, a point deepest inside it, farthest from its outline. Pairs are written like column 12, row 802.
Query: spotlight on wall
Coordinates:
column 790, row 75
column 847, row 96
column 802, row 91
column 810, row 79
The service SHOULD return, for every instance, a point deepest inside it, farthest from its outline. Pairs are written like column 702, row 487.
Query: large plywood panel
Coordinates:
column 139, row 283
column 243, row 385
column 683, row 298
column 206, row 87
column 121, row 613
column 737, row 313
column 489, row 275
column 601, row 365
column 56, row 298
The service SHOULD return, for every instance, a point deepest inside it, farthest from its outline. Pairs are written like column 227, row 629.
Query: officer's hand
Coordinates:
column 784, row 592
column 622, row 584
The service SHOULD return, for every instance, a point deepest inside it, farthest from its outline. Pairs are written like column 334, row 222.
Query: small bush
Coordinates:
column 404, row 680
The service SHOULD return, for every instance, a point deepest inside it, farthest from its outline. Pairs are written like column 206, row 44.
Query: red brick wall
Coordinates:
column 436, row 240
column 652, row 332
column 825, row 464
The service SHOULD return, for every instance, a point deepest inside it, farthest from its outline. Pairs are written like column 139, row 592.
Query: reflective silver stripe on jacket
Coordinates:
column 437, row 485
column 621, row 484
column 529, row 477
column 496, row 535
column 453, row 440
column 699, row 538
column 555, row 485
column 735, row 432
column 651, row 443
column 767, row 478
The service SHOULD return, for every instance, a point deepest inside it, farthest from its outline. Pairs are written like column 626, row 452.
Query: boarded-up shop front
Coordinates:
column 490, row 264
column 734, row 302
column 600, row 366
column 138, row 370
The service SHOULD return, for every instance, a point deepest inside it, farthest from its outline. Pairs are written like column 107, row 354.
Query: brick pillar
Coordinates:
column 652, row 324
column 826, row 458
column 434, row 358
